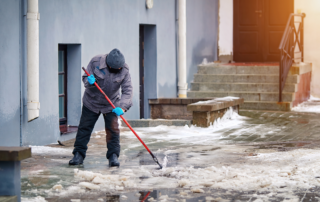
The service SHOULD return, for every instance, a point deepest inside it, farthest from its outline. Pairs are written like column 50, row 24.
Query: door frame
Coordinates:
column 63, row 121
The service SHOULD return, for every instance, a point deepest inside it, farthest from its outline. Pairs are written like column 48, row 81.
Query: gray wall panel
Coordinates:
column 202, row 33
column 10, row 73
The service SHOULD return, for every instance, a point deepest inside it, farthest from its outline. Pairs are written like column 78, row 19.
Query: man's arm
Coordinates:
column 126, row 93
column 85, row 76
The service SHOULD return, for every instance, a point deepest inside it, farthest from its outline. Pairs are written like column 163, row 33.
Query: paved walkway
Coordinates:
column 266, row 156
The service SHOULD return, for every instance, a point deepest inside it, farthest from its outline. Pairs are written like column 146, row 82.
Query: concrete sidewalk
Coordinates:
column 261, row 156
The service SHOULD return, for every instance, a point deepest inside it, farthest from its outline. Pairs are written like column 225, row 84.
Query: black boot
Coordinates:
column 113, row 160
column 76, row 160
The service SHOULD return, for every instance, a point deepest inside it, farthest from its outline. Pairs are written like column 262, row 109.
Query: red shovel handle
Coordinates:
column 134, row 132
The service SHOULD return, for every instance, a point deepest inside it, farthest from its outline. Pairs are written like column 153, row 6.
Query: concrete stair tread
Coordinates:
column 272, row 102
column 242, row 83
column 237, row 70
column 267, row 105
column 239, row 74
column 240, row 92
column 235, row 87
column 246, row 95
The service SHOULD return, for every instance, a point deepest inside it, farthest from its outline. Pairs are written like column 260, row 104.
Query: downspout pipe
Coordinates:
column 33, row 17
column 182, row 50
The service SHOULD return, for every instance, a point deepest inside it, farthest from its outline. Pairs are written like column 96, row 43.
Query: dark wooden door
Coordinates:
column 258, row 28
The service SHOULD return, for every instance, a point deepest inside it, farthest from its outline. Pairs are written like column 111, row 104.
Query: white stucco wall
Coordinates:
column 226, row 27
column 311, row 39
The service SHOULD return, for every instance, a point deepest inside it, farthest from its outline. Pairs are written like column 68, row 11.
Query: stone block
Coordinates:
column 10, row 181
column 207, row 118
column 175, row 101
column 8, row 199
column 14, row 153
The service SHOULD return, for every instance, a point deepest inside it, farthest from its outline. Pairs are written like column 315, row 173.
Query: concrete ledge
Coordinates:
column 155, row 122
column 14, row 153
column 206, row 113
column 300, row 68
column 8, row 199
column 172, row 108
column 176, row 101
column 214, row 104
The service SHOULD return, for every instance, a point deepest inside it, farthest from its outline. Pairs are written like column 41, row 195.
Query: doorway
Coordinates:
column 258, row 29
column 62, row 84
column 148, row 67
column 69, row 87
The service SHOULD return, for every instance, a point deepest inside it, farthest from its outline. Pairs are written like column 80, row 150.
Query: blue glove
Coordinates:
column 118, row 111
column 91, row 79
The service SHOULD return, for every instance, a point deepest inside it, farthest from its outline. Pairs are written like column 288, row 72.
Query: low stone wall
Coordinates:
column 206, row 113
column 156, row 122
column 172, row 108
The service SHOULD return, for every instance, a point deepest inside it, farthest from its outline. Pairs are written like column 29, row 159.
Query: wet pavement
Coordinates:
column 260, row 156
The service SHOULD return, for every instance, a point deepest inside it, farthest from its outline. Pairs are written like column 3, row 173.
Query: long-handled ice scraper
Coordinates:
column 134, row 132
column 145, row 198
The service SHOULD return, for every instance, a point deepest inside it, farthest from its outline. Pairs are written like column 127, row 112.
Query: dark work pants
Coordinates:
column 87, row 122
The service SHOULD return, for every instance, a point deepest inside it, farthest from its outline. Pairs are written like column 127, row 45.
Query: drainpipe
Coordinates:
column 182, row 69
column 33, row 17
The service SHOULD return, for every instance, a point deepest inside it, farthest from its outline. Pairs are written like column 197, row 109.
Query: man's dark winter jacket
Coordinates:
column 110, row 83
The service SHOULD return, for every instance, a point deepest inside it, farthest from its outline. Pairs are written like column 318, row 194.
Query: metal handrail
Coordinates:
column 290, row 38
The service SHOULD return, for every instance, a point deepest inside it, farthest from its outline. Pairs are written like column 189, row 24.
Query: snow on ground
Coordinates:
column 186, row 134
column 312, row 105
column 49, row 150
column 267, row 172
column 35, row 199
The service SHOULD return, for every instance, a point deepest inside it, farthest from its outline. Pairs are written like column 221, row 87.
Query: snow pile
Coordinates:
column 98, row 181
column 50, row 150
column 228, row 98
column 265, row 172
column 186, row 134
column 312, row 105
column 36, row 199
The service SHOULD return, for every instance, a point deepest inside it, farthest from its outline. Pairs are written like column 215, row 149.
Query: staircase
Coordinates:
column 258, row 85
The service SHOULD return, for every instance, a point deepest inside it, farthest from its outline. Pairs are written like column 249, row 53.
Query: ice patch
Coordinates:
column 228, row 98
column 89, row 185
column 49, row 150
column 265, row 172
column 36, row 199
column 312, row 105
column 57, row 187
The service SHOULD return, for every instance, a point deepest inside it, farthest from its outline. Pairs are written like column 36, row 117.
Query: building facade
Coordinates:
column 71, row 33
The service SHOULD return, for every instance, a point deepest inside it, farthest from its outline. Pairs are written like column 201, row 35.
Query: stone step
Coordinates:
column 248, row 96
column 242, row 87
column 243, row 78
column 231, row 69
column 274, row 106
column 137, row 123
